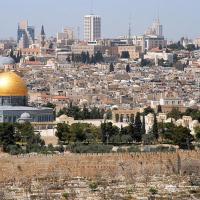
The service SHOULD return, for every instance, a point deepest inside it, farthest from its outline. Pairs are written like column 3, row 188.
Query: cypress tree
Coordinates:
column 112, row 67
column 128, row 69
column 138, row 127
column 159, row 109
column 155, row 128
column 143, row 130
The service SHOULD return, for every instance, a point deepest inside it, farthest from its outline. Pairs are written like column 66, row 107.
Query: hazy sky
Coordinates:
column 179, row 17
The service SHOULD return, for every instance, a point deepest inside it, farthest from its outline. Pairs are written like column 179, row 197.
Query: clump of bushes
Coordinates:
column 153, row 191
column 93, row 186
column 133, row 148
column 65, row 195
column 89, row 148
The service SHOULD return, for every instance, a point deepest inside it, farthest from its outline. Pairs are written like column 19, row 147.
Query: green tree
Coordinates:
column 98, row 57
column 143, row 129
column 117, row 117
column 128, row 68
column 137, row 136
column 87, row 57
column 108, row 130
column 63, row 132
column 197, row 132
column 32, row 141
column 78, row 132
column 167, row 131
column 125, row 55
column 191, row 47
column 159, row 110
column 182, row 137
column 111, row 68
column 175, row 113
column 155, row 128
column 194, row 113
column 7, row 135
column 161, row 62
column 85, row 113
column 73, row 57
column 148, row 110
column 83, row 57
column 145, row 62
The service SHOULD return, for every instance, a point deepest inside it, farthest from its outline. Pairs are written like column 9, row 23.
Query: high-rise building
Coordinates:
column 66, row 35
column 155, row 29
column 25, row 35
column 92, row 28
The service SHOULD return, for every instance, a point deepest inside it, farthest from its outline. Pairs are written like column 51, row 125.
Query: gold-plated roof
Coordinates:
column 12, row 85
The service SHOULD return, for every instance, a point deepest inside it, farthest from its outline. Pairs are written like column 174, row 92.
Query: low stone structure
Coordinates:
column 100, row 176
column 92, row 165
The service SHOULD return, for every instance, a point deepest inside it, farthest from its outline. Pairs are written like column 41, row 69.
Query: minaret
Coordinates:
column 129, row 32
column 42, row 37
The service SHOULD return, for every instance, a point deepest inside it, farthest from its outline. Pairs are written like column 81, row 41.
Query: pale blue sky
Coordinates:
column 179, row 17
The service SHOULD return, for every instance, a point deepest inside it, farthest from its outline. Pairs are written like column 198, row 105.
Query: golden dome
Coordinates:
column 12, row 85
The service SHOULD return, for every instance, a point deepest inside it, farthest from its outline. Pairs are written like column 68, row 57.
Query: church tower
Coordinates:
column 42, row 37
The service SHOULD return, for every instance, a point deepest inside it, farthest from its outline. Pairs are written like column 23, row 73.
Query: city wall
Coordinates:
column 18, row 168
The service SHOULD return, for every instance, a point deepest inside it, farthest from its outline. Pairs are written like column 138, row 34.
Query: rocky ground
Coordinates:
column 141, row 188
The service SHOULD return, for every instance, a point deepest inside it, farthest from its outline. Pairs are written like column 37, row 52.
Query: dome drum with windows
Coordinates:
column 13, row 90
column 14, row 102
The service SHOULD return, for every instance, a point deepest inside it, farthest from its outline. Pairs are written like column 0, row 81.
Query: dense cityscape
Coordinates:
column 99, row 118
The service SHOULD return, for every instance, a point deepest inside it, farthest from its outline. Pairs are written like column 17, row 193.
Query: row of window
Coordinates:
column 42, row 118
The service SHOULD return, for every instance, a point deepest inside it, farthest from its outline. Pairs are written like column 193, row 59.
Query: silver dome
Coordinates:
column 25, row 116
column 6, row 61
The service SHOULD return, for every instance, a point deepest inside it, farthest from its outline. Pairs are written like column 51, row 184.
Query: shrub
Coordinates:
column 91, row 148
column 65, row 195
column 153, row 191
column 93, row 186
column 133, row 148
column 14, row 149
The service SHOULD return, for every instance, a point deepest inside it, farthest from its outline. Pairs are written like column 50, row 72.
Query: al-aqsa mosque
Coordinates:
column 14, row 101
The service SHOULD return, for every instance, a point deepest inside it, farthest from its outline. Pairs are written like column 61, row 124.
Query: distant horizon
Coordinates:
column 178, row 19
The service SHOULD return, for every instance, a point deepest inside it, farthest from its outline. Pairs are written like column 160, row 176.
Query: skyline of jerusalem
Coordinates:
column 99, row 100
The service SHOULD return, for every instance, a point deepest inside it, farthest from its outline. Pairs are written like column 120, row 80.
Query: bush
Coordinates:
column 93, row 186
column 90, row 148
column 65, row 195
column 153, row 191
column 133, row 148
column 160, row 149
column 60, row 148
column 14, row 149
column 192, row 191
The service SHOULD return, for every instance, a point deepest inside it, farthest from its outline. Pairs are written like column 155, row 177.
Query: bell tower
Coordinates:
column 42, row 37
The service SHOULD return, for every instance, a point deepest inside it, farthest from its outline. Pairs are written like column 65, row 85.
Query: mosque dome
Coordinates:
column 12, row 85
column 6, row 61
column 25, row 116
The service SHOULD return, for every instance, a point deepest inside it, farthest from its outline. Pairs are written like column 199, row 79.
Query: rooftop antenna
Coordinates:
column 158, row 13
column 129, row 29
column 78, row 30
column 92, row 7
